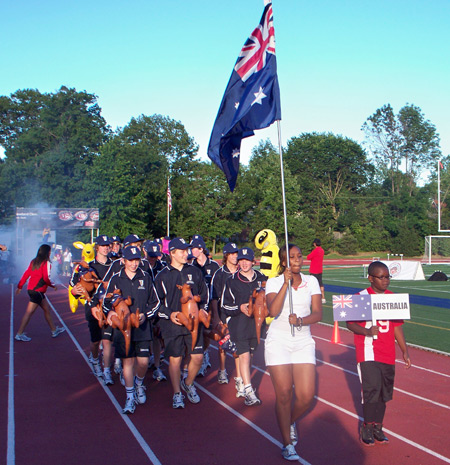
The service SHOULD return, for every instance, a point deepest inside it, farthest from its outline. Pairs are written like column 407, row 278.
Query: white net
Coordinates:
column 437, row 249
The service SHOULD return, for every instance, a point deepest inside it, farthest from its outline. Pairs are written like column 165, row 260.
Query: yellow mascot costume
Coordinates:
column 87, row 255
column 266, row 241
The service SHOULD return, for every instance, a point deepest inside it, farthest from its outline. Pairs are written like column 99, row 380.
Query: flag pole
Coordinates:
column 168, row 207
column 286, row 237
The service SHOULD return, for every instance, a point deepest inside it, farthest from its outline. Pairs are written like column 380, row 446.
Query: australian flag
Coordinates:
column 352, row 307
column 251, row 100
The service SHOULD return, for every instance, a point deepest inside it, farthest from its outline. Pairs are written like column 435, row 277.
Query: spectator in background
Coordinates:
column 316, row 266
column 67, row 262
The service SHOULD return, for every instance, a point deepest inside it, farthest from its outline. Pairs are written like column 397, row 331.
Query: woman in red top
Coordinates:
column 39, row 274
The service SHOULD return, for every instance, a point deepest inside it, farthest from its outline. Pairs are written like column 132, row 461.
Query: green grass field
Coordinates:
column 429, row 326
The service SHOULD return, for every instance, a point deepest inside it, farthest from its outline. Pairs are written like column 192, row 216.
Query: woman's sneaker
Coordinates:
column 139, row 395
column 293, row 434
column 289, row 453
column 251, row 398
column 239, row 385
column 22, row 337
column 58, row 330
column 159, row 375
column 130, row 406
column 177, row 401
column 191, row 392
column 222, row 377
column 107, row 377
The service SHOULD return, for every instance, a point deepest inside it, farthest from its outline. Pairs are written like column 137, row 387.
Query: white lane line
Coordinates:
column 245, row 420
column 11, row 438
column 398, row 360
column 347, row 412
column 141, row 441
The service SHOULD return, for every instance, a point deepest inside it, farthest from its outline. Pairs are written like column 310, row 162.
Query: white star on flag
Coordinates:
column 259, row 96
column 235, row 153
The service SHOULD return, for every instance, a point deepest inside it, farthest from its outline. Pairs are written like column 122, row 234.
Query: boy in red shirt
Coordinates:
column 376, row 359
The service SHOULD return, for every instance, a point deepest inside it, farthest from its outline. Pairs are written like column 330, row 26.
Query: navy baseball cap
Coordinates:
column 131, row 238
column 103, row 240
column 190, row 256
column 246, row 253
column 231, row 247
column 198, row 243
column 131, row 253
column 152, row 249
column 178, row 243
column 115, row 239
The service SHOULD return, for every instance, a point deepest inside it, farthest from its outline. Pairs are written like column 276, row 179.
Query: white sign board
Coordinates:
column 390, row 307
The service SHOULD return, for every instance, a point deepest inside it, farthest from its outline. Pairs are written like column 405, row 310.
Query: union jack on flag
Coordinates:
column 254, row 52
column 352, row 307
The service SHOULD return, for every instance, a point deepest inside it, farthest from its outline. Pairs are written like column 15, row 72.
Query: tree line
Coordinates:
column 59, row 150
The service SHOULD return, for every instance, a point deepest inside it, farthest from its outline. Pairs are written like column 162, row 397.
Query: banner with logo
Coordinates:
column 58, row 218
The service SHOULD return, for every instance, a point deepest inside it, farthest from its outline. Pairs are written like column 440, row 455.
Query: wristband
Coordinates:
column 299, row 327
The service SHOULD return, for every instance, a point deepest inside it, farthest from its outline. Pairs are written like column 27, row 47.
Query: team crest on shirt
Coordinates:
column 141, row 284
column 189, row 279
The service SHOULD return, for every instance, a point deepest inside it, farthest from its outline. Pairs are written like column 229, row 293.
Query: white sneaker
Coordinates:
column 324, row 301
column 151, row 361
column 130, row 406
column 206, row 359
column 117, row 366
column 122, row 379
column 177, row 401
column 293, row 434
column 239, row 384
column 139, row 395
column 222, row 377
column 251, row 398
column 184, row 374
column 58, row 330
column 22, row 337
column 97, row 370
column 289, row 453
column 107, row 377
column 191, row 392
column 159, row 375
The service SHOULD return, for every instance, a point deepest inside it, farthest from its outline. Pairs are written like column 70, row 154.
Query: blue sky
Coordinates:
column 338, row 61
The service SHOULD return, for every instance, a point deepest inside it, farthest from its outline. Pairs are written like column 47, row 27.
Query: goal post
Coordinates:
column 437, row 248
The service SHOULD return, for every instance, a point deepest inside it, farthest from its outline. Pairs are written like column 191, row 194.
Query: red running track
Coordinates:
column 54, row 411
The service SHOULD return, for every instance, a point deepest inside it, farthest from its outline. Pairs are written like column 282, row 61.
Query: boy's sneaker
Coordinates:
column 239, row 384
column 97, row 370
column 122, row 379
column 118, row 366
column 206, row 359
column 366, row 436
column 130, row 406
column 184, row 374
column 177, row 401
column 251, row 398
column 222, row 377
column 107, row 377
column 191, row 392
column 151, row 361
column 139, row 394
column 289, row 453
column 159, row 375
column 378, row 434
column 22, row 337
column 203, row 368
column 293, row 434
column 58, row 330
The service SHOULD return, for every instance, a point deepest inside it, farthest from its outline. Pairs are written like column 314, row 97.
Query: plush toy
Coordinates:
column 258, row 308
column 190, row 314
column 266, row 241
column 87, row 255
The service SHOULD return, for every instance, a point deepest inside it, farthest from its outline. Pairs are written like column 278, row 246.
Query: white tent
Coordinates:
column 405, row 270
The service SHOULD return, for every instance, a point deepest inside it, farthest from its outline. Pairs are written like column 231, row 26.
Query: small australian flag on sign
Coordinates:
column 352, row 307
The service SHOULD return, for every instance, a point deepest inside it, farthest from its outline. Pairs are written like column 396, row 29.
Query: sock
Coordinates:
column 130, row 392
column 247, row 387
column 138, row 381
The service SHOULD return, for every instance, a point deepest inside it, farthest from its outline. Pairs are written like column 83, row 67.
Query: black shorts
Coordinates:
column 179, row 346
column 246, row 345
column 107, row 333
column 319, row 278
column 36, row 297
column 137, row 349
column 377, row 381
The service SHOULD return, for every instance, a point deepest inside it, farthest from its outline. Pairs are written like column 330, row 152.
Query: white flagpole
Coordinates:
column 168, row 210
column 286, row 237
column 439, row 195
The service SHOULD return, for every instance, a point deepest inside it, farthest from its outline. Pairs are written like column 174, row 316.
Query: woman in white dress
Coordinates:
column 290, row 359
